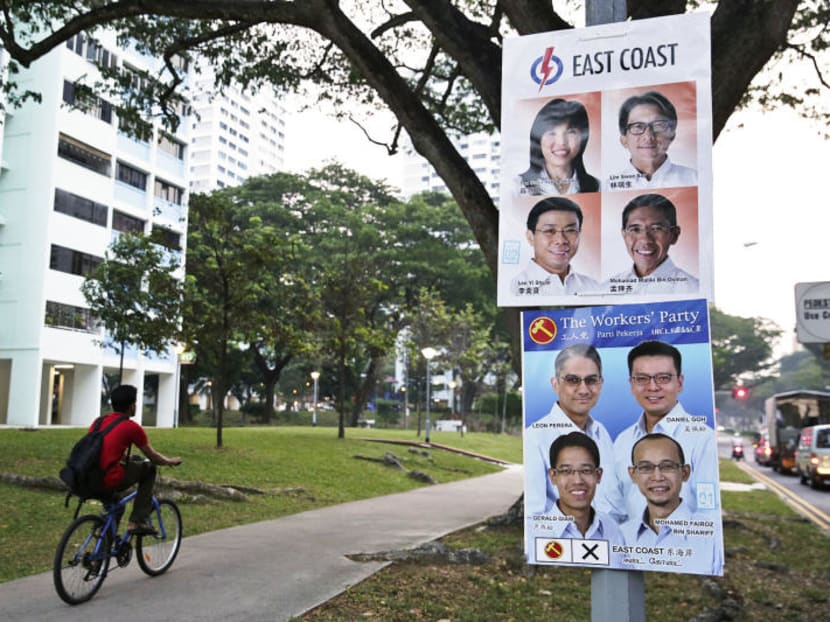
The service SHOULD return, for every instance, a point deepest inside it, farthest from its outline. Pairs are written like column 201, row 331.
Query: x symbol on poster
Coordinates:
column 590, row 550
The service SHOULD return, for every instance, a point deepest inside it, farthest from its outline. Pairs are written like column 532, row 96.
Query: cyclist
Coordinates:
column 121, row 473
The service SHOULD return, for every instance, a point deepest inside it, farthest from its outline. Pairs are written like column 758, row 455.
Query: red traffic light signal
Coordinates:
column 740, row 393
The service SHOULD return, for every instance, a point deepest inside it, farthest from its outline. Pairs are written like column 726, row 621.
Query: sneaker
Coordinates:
column 144, row 529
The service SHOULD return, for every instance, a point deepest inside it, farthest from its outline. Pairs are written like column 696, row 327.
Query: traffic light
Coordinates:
column 740, row 393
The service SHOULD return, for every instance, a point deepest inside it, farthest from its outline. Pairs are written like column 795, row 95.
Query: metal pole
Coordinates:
column 177, row 392
column 426, row 426
column 405, row 408
column 616, row 595
column 315, row 375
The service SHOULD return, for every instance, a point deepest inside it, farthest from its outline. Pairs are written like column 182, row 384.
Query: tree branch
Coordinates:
column 799, row 49
column 390, row 149
column 470, row 45
column 745, row 35
column 531, row 16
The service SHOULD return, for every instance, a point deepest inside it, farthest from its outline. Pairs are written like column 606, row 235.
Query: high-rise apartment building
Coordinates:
column 235, row 135
column 481, row 151
column 71, row 181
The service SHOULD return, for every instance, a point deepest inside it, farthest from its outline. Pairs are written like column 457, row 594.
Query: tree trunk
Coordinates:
column 341, row 419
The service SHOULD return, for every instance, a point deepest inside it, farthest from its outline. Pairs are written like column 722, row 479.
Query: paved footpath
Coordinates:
column 275, row 569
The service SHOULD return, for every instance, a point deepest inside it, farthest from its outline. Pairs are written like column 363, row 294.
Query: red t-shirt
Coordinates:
column 115, row 446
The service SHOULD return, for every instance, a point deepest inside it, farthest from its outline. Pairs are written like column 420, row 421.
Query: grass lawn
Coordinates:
column 316, row 468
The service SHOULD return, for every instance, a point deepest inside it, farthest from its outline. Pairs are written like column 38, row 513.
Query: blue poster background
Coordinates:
column 614, row 330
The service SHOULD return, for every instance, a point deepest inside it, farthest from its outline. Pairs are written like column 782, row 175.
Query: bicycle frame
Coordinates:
column 113, row 511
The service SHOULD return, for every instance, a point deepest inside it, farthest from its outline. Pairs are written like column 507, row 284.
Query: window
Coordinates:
column 59, row 315
column 70, row 261
column 166, row 238
column 125, row 223
column 87, row 47
column 137, row 79
column 131, row 176
column 83, row 99
column 83, row 155
column 79, row 207
column 171, row 146
column 168, row 192
column 137, row 128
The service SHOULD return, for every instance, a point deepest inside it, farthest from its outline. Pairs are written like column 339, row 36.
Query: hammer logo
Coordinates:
column 542, row 330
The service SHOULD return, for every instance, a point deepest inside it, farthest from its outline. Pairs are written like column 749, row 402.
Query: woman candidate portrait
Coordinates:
column 558, row 138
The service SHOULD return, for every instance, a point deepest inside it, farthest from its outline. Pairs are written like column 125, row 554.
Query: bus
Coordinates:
column 786, row 414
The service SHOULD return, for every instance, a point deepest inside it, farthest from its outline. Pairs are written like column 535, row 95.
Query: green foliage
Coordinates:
column 231, row 252
column 740, row 346
column 135, row 293
column 799, row 370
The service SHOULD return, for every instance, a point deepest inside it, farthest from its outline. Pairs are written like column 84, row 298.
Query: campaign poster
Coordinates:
column 606, row 164
column 620, row 448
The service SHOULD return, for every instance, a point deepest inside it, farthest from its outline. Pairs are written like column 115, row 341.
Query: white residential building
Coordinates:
column 482, row 152
column 70, row 182
column 235, row 135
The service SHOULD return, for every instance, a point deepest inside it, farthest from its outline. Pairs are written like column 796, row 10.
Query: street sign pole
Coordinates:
column 616, row 595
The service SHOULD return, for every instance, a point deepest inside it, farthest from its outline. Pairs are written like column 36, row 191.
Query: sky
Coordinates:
column 771, row 212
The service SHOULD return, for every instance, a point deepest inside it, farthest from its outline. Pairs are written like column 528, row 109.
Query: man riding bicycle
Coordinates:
column 121, row 473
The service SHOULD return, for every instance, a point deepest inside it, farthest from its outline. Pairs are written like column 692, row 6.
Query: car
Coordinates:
column 813, row 455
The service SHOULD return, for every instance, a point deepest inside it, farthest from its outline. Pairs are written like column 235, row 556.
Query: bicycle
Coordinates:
column 83, row 556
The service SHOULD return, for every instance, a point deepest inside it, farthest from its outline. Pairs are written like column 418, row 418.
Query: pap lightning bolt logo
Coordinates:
column 546, row 69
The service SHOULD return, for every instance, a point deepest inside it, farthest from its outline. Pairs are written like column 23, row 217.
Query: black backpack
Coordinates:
column 83, row 474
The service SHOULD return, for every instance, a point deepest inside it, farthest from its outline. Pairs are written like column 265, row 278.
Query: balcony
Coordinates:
column 130, row 195
column 133, row 147
column 170, row 213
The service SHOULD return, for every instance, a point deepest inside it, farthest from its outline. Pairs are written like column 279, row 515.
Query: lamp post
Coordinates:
column 405, row 406
column 429, row 354
column 315, row 375
column 178, row 390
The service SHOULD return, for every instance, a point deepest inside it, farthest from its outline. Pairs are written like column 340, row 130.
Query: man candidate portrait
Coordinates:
column 649, row 229
column 554, row 227
column 658, row 470
column 648, row 126
column 577, row 382
column 656, row 380
column 576, row 472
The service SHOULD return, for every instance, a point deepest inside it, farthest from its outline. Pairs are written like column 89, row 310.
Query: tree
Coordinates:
column 434, row 64
column 287, row 308
column 229, row 250
column 740, row 345
column 136, row 295
column 358, row 298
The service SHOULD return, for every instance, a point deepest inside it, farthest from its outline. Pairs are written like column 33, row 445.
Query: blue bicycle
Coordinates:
column 82, row 559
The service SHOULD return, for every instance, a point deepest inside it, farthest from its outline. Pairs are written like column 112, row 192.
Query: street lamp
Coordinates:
column 405, row 406
column 315, row 375
column 178, row 390
column 429, row 354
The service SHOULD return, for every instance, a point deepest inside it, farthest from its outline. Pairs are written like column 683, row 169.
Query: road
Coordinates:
column 815, row 504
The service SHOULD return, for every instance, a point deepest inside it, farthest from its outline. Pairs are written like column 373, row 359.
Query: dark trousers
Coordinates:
column 143, row 472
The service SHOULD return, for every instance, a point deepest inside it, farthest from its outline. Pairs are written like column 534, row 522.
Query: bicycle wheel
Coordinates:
column 157, row 553
column 81, row 559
